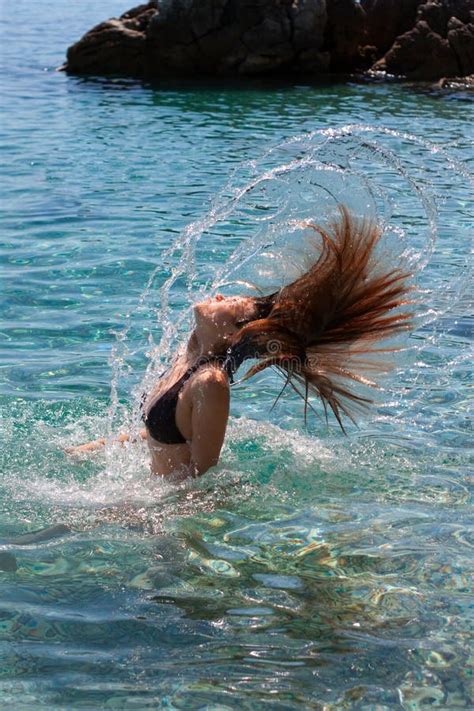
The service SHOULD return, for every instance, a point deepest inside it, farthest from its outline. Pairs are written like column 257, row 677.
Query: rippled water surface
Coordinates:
column 309, row 570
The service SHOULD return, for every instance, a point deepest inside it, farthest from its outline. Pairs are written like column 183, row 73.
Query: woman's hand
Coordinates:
column 100, row 443
column 87, row 447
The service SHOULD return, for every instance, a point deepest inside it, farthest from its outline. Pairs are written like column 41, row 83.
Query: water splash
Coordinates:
column 248, row 237
column 416, row 190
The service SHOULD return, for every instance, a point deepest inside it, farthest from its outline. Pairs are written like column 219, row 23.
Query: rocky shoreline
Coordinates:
column 408, row 39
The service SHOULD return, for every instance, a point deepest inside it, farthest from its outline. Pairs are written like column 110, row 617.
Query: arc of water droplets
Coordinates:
column 227, row 202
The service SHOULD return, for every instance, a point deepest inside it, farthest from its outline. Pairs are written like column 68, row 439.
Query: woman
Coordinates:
column 321, row 332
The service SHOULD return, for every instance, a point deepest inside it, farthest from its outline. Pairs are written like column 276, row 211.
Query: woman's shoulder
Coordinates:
column 212, row 376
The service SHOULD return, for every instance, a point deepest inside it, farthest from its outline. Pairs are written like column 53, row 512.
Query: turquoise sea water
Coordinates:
column 309, row 570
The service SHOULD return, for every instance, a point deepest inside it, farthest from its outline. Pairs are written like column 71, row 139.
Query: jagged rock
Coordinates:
column 206, row 37
column 420, row 54
column 420, row 39
column 440, row 43
column 113, row 47
column 461, row 39
column 387, row 19
column 456, row 83
column 368, row 55
column 345, row 33
column 437, row 13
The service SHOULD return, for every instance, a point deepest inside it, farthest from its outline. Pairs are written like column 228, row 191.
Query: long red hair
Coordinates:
column 322, row 331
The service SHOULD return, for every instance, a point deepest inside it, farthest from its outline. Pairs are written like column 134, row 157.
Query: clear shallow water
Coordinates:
column 310, row 570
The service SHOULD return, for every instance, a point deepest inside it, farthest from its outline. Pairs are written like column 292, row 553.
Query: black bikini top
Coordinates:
column 161, row 418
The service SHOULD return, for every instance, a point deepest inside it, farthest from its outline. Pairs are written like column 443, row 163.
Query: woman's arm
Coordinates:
column 99, row 443
column 210, row 412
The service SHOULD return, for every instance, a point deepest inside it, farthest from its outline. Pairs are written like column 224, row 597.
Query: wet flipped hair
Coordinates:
column 322, row 331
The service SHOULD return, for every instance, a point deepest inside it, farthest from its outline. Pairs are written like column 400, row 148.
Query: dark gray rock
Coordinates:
column 461, row 40
column 387, row 19
column 345, row 34
column 195, row 38
column 420, row 54
column 206, row 37
column 117, row 46
column 43, row 534
column 456, row 83
column 441, row 43
column 437, row 13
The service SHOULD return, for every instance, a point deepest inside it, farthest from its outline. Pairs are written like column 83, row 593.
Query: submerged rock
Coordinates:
column 456, row 83
column 8, row 562
column 43, row 534
column 196, row 38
